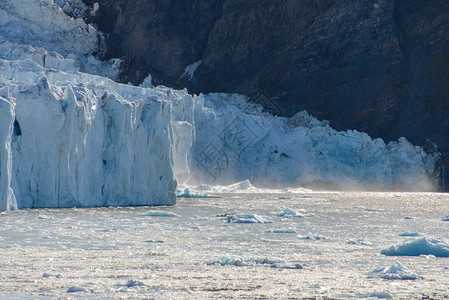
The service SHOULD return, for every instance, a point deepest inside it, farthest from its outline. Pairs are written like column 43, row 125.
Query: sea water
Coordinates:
column 309, row 245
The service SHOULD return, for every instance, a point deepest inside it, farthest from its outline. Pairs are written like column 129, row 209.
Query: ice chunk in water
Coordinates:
column 396, row 272
column 417, row 247
column 247, row 218
column 159, row 213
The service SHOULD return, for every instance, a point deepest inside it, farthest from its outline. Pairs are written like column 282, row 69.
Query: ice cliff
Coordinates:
column 234, row 140
column 73, row 139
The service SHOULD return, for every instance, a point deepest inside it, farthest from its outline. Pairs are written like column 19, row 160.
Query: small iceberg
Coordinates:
column 75, row 289
column 410, row 234
column 291, row 266
column 246, row 218
column 159, row 213
column 380, row 295
column 312, row 237
column 396, row 272
column 47, row 275
column 359, row 242
column 188, row 193
column 240, row 262
column 282, row 230
column 265, row 261
column 417, row 247
column 288, row 212
column 446, row 218
column 241, row 186
column 133, row 282
column 225, row 261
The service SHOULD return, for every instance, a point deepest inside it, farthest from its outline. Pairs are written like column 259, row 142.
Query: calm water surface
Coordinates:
column 115, row 253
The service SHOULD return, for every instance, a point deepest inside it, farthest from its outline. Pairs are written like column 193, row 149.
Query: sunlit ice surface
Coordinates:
column 330, row 247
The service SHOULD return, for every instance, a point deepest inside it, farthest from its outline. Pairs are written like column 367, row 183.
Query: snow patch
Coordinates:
column 147, row 82
column 189, row 71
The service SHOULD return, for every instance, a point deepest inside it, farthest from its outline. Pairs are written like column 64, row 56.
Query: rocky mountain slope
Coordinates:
column 378, row 66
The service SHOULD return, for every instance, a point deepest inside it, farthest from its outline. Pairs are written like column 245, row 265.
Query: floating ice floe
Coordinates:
column 282, row 230
column 287, row 266
column 446, row 218
column 380, row 295
column 242, row 187
column 396, row 272
column 158, row 213
column 359, row 242
column 134, row 282
column 188, row 193
column 312, row 237
column 225, row 260
column 75, row 289
column 373, row 210
column 288, row 212
column 47, row 275
column 239, row 262
column 417, row 247
column 410, row 234
column 247, row 218
column 155, row 241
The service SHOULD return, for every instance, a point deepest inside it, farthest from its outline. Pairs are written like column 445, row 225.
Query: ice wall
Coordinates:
column 234, row 141
column 77, row 140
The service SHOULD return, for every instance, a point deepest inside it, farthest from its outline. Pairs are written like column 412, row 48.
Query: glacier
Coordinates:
column 70, row 136
column 80, row 140
column 234, row 140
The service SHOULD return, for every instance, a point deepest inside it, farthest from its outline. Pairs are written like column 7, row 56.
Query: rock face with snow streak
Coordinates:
column 74, row 141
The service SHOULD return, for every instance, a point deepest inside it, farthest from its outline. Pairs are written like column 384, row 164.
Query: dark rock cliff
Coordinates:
column 379, row 66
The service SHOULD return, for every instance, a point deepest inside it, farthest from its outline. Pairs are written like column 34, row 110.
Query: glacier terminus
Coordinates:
column 70, row 136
